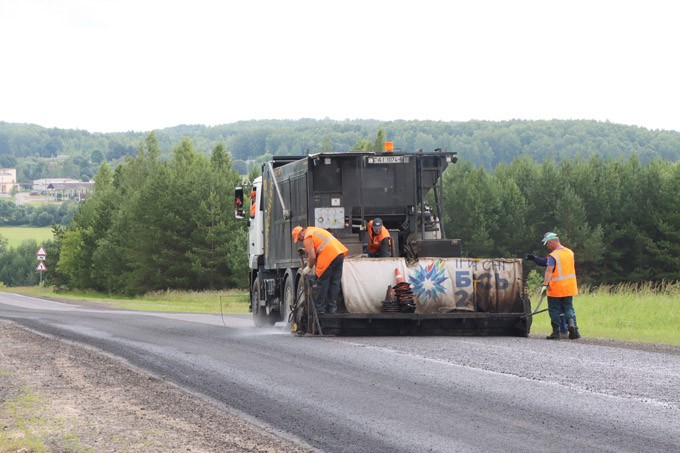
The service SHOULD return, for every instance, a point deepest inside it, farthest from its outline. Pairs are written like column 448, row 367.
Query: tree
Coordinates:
column 17, row 265
column 157, row 225
column 97, row 156
column 379, row 142
column 44, row 219
column 254, row 173
column 472, row 206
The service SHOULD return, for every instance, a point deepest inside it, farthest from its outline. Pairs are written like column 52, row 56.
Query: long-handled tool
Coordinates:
column 311, row 306
column 535, row 312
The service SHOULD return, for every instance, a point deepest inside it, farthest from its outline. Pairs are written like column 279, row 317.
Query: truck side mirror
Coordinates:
column 238, row 203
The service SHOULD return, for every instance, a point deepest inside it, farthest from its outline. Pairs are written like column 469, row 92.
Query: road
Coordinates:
column 413, row 394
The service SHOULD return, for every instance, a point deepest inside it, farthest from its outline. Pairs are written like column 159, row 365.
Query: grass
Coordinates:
column 22, row 417
column 227, row 302
column 16, row 235
column 29, row 425
column 644, row 314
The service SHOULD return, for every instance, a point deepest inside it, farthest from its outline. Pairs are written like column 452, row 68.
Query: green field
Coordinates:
column 624, row 312
column 16, row 235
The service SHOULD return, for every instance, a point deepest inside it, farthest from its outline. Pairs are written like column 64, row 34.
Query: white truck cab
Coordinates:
column 255, row 224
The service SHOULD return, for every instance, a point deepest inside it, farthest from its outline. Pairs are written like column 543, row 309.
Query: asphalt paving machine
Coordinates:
column 426, row 286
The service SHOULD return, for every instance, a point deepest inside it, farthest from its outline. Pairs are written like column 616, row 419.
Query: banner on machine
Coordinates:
column 440, row 285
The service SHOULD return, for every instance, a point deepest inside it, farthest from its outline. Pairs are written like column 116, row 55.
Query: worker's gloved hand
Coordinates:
column 306, row 270
column 529, row 256
column 544, row 288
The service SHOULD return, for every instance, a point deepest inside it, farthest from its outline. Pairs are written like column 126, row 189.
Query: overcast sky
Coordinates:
column 122, row 65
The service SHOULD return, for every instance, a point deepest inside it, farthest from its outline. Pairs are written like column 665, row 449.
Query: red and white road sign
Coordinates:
column 41, row 267
column 41, row 253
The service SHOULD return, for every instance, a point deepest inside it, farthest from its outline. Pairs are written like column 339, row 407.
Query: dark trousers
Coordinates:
column 328, row 286
column 563, row 320
column 561, row 305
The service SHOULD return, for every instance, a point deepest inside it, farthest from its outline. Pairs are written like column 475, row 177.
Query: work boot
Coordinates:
column 573, row 330
column 555, row 335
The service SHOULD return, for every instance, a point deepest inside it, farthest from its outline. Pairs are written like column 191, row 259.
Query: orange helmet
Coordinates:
column 296, row 232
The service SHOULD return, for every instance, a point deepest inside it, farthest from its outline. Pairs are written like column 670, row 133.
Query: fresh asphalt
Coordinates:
column 396, row 394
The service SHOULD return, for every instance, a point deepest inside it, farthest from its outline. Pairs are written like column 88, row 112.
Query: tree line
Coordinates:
column 38, row 152
column 12, row 214
column 17, row 264
column 155, row 224
column 619, row 216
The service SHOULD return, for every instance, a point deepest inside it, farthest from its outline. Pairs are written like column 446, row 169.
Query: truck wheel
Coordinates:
column 259, row 314
column 300, row 317
column 289, row 297
column 528, row 320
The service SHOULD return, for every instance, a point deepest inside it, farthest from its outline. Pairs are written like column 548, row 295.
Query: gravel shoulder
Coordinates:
column 59, row 396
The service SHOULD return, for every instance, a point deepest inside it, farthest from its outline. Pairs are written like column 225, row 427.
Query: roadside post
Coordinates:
column 41, row 254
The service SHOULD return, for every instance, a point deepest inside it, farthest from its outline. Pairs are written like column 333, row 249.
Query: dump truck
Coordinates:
column 426, row 286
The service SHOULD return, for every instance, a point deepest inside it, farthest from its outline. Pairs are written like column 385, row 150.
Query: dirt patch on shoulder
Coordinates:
column 65, row 397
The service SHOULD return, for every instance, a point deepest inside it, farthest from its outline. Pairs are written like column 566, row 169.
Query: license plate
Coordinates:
column 388, row 160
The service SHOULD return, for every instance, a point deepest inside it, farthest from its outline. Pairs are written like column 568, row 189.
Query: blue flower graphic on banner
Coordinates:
column 427, row 282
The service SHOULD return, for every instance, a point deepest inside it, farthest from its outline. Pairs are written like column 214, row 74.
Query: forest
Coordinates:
column 164, row 220
column 39, row 152
column 12, row 214
column 619, row 216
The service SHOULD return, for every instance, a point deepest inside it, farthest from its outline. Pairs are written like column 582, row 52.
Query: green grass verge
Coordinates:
column 16, row 235
column 629, row 315
column 227, row 302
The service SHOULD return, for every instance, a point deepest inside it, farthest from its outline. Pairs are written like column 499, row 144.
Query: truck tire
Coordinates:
column 260, row 317
column 300, row 316
column 289, row 299
column 529, row 319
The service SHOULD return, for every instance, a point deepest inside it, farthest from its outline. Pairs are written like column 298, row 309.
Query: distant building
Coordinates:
column 8, row 180
column 77, row 191
column 41, row 184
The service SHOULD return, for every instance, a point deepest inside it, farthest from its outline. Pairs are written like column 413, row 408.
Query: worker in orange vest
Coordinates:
column 326, row 255
column 560, row 285
column 253, row 202
column 379, row 240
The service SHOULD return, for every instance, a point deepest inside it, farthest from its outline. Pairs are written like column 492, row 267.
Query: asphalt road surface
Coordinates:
column 396, row 394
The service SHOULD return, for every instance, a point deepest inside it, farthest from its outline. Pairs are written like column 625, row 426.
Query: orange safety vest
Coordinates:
column 563, row 280
column 374, row 240
column 327, row 248
column 253, row 204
